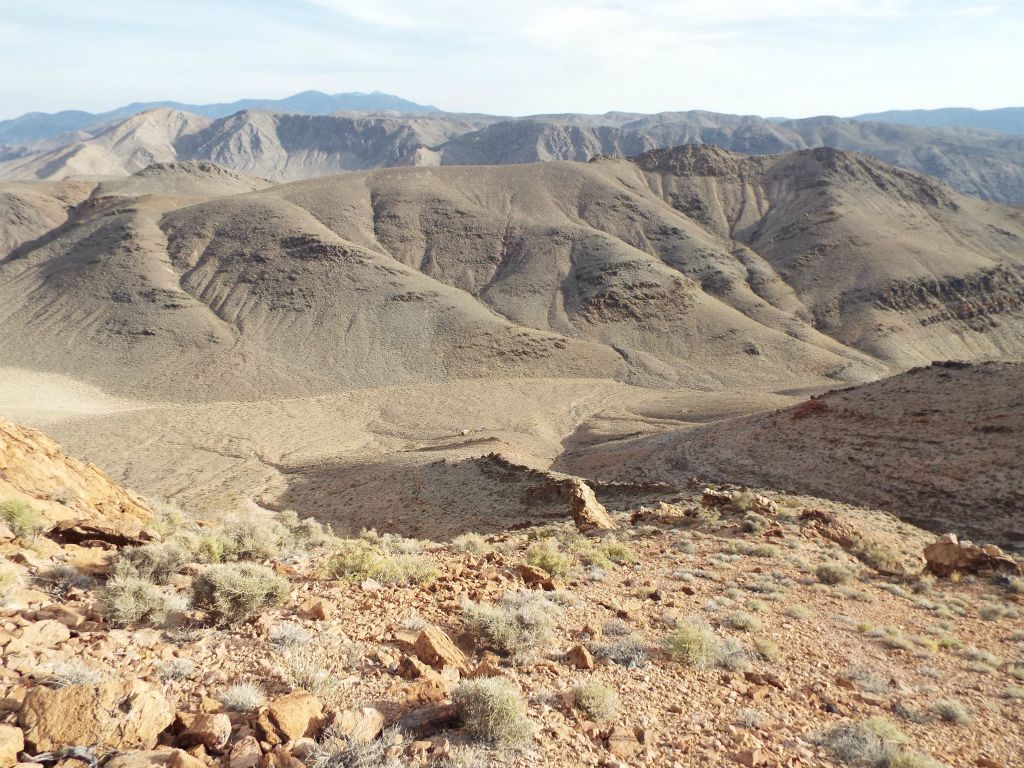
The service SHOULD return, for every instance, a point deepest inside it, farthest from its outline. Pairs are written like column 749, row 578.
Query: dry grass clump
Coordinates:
column 128, row 600
column 358, row 560
column 492, row 710
column 233, row 594
column 11, row 580
column 627, row 650
column 289, row 634
column 873, row 743
column 548, row 556
column 243, row 697
column 797, row 611
column 767, row 649
column 747, row 622
column 22, row 518
column 176, row 669
column 67, row 673
column 518, row 625
column 471, row 543
column 694, row 644
column 385, row 752
column 833, row 573
column 952, row 712
column 596, row 701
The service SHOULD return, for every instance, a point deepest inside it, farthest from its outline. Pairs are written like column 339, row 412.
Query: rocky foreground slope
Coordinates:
column 939, row 446
column 715, row 627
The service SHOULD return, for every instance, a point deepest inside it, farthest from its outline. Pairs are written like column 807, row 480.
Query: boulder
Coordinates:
column 425, row 722
column 296, row 714
column 434, row 647
column 579, row 657
column 212, row 731
column 246, row 753
column 946, row 555
column 622, row 742
column 44, row 634
column 11, row 743
column 161, row 758
column 531, row 575
column 587, row 512
column 115, row 714
column 363, row 724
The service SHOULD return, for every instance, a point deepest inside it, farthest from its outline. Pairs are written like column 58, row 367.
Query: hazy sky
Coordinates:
column 770, row 57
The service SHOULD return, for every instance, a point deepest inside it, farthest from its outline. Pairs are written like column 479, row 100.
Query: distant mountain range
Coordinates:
column 313, row 134
column 38, row 126
column 1008, row 120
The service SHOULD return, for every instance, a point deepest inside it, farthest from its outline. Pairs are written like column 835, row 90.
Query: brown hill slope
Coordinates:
column 939, row 446
column 689, row 267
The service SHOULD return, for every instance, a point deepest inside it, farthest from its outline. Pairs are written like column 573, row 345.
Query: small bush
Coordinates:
column 61, row 579
column 833, row 573
column 129, row 600
column 360, row 560
column 492, row 711
column 767, row 649
column 152, row 562
column 874, row 743
column 22, row 518
column 288, row 634
column 519, row 625
column 797, row 612
column 11, row 580
column 546, row 555
column 596, row 701
column 243, row 697
column 952, row 711
column 311, row 672
column 626, row 651
column 749, row 718
column 744, row 621
column 471, row 543
column 233, row 594
column 385, row 752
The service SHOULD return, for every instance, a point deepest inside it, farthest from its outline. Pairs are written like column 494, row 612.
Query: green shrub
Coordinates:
column 596, row 701
column 360, row 560
column 232, row 594
column 492, row 711
column 129, row 600
column 742, row 620
column 22, row 518
column 797, row 612
column 546, row 555
column 152, row 562
column 694, row 644
column 519, row 625
column 471, row 543
column 767, row 649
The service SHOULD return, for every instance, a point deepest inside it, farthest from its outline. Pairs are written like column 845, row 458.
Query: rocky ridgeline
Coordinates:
column 719, row 626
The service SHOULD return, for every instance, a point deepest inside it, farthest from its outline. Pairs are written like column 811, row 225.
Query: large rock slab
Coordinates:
column 115, row 715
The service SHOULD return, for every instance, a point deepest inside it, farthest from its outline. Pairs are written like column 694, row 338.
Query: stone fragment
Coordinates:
column 622, row 742
column 435, row 647
column 213, row 731
column 363, row 724
column 947, row 555
column 11, row 743
column 119, row 533
column 587, row 512
column 296, row 714
column 161, row 758
column 246, row 753
column 427, row 721
column 579, row 657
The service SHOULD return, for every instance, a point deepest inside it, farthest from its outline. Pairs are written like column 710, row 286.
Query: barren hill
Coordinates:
column 284, row 146
column 939, row 446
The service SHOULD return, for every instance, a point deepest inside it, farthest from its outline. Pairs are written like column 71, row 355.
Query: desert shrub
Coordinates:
column 873, row 743
column 152, row 562
column 879, row 557
column 626, row 651
column 694, row 644
column 742, row 620
column 977, row 654
column 518, row 625
column 952, row 711
column 833, row 573
column 492, row 711
column 67, row 673
column 385, row 752
column 868, row 679
column 22, row 518
column 11, row 580
column 596, row 701
column 176, row 669
column 243, row 697
column 548, row 556
column 767, row 649
column 130, row 600
column 310, row 671
column 754, row 523
column 993, row 611
column 1016, row 585
column 232, row 594
column 360, row 560
column 61, row 579
column 797, row 612
column 471, row 543
column 749, row 718
column 288, row 634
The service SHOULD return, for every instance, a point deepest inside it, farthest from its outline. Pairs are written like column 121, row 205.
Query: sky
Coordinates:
column 792, row 58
